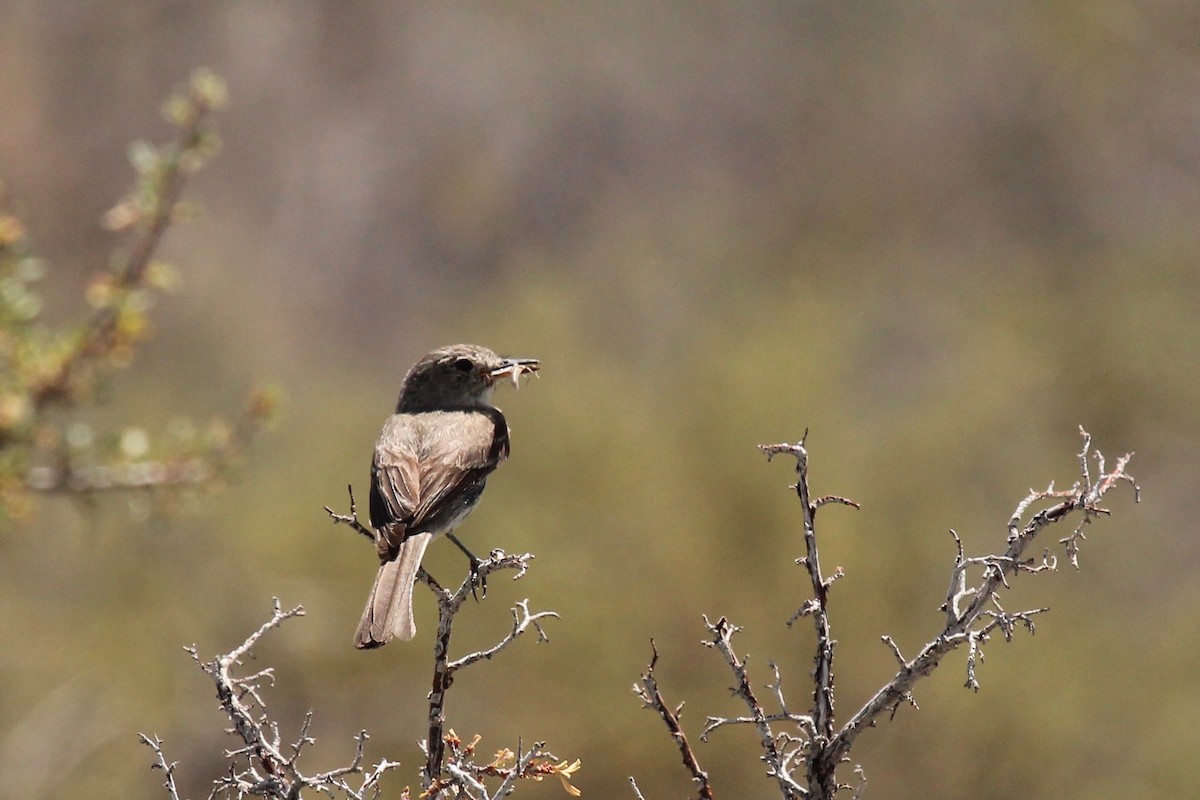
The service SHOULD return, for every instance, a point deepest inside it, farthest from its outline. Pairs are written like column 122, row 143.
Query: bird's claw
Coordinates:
column 478, row 580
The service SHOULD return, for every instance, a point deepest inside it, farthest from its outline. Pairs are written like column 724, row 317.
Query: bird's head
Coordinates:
column 458, row 376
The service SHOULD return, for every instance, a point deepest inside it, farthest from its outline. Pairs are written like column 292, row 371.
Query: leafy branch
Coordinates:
column 47, row 374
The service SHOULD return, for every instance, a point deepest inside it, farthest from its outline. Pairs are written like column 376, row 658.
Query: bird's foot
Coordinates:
column 478, row 579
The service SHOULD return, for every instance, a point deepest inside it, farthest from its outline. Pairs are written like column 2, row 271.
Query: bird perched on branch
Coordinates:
column 431, row 462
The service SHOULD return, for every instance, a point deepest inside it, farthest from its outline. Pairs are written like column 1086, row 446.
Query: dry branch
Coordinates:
column 263, row 765
column 803, row 752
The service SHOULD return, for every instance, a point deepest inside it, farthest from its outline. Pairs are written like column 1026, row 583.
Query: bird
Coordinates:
column 430, row 466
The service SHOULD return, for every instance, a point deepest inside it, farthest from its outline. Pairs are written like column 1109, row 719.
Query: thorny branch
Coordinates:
column 168, row 767
column 647, row 690
column 351, row 519
column 819, row 781
column 444, row 668
column 449, row 768
column 779, row 750
column 973, row 613
column 264, row 766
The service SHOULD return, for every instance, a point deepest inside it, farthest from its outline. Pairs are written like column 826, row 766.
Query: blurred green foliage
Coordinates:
column 939, row 237
column 51, row 374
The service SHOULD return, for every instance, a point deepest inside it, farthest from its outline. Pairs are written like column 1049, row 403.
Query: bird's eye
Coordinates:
column 464, row 365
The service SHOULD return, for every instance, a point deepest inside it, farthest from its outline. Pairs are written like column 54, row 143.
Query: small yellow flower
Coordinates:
column 564, row 771
column 502, row 759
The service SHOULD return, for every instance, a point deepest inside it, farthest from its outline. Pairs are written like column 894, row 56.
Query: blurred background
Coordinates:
column 939, row 236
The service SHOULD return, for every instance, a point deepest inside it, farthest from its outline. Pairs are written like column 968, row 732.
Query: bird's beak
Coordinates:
column 514, row 368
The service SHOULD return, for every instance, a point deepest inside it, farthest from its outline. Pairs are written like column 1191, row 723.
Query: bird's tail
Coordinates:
column 389, row 609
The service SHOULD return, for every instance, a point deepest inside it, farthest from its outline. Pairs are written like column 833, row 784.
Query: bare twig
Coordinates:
column 264, row 766
column 647, row 690
column 721, row 638
column 973, row 608
column 444, row 668
column 523, row 619
column 821, row 779
column 973, row 611
column 351, row 519
column 168, row 767
column 449, row 766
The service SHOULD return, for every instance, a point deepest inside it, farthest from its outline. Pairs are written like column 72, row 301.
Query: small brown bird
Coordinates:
column 431, row 463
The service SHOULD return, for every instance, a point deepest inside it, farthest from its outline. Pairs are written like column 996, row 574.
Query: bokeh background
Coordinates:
column 939, row 236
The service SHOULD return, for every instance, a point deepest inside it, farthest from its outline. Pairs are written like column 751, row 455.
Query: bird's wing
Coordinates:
column 425, row 462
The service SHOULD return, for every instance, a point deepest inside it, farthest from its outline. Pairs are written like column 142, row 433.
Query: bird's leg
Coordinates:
column 477, row 579
column 423, row 575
